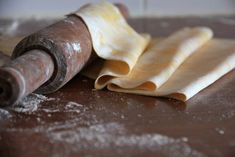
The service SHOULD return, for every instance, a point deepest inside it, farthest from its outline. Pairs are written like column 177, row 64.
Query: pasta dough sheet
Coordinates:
column 202, row 68
column 133, row 63
column 113, row 39
column 159, row 62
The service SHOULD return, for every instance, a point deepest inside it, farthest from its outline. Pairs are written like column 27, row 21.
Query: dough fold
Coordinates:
column 113, row 40
column 178, row 66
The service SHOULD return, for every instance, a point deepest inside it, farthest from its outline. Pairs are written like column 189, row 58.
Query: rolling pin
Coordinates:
column 45, row 61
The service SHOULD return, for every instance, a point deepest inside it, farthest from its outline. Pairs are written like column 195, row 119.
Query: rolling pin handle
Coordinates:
column 24, row 75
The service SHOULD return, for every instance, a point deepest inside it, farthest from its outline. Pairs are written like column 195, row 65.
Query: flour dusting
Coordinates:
column 30, row 103
column 219, row 130
column 103, row 136
column 4, row 114
column 73, row 107
column 86, row 132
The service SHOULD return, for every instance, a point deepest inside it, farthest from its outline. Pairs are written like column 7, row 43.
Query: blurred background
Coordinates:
column 17, row 9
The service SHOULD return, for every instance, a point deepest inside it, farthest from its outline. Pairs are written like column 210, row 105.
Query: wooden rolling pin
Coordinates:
column 44, row 61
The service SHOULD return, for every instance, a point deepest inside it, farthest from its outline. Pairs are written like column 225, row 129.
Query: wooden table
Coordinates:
column 78, row 121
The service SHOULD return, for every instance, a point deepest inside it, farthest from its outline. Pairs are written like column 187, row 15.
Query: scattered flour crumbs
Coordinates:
column 4, row 114
column 30, row 103
column 84, row 132
column 114, row 135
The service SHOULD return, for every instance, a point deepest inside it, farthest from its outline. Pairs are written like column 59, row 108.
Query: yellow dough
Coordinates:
column 113, row 39
column 172, row 67
column 202, row 68
column 161, row 59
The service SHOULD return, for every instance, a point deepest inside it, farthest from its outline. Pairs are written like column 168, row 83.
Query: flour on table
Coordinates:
column 86, row 132
column 50, row 110
column 69, row 106
column 73, row 107
column 4, row 114
column 30, row 103
column 102, row 136
column 219, row 130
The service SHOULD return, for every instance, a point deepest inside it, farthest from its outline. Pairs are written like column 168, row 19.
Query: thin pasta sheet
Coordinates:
column 134, row 63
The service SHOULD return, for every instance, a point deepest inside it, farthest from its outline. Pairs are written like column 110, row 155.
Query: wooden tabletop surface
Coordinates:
column 78, row 121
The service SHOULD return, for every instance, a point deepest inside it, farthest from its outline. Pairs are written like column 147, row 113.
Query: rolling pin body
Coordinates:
column 68, row 42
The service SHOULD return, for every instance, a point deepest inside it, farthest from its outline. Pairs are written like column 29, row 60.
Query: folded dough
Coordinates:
column 202, row 68
column 161, row 59
column 172, row 67
column 113, row 39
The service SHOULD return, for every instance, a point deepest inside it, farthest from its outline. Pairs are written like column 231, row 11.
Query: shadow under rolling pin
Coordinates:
column 48, row 59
